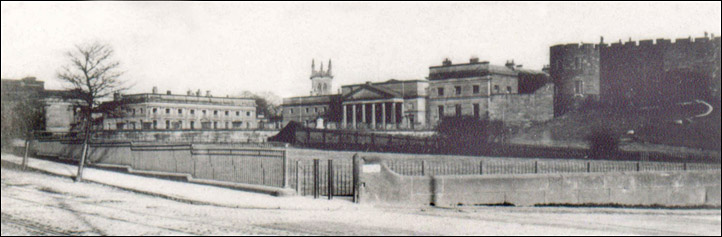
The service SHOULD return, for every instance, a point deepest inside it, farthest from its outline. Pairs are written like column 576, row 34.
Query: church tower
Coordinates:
column 321, row 80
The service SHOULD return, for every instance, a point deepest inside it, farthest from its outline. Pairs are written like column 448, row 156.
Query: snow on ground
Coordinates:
column 36, row 203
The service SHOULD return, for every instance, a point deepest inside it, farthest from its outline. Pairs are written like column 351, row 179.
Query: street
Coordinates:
column 40, row 204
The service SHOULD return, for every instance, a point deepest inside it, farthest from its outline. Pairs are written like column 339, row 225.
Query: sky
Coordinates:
column 230, row 47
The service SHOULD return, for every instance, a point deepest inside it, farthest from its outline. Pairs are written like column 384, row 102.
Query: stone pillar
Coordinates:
column 373, row 116
column 363, row 114
column 393, row 114
column 353, row 119
column 403, row 122
column 383, row 115
column 345, row 118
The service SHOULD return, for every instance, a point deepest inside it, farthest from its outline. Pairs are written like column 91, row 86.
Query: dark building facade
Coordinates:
column 648, row 72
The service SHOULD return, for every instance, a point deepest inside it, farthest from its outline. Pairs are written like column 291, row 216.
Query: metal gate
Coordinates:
column 319, row 177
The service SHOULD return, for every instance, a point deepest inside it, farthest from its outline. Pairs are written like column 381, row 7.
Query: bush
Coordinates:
column 466, row 133
column 603, row 143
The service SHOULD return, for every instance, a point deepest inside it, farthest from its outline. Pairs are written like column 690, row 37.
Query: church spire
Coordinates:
column 329, row 68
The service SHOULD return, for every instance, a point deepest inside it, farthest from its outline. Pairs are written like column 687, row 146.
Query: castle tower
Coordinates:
column 321, row 81
column 574, row 68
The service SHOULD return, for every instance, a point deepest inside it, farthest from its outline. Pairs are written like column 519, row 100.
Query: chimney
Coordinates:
column 189, row 92
column 446, row 62
column 510, row 64
column 155, row 90
column 198, row 92
column 208, row 93
column 167, row 92
column 474, row 59
column 117, row 96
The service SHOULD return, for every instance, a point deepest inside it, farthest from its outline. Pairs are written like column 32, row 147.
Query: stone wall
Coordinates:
column 206, row 136
column 523, row 108
column 379, row 184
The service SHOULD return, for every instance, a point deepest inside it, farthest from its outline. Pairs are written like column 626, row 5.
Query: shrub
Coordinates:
column 603, row 143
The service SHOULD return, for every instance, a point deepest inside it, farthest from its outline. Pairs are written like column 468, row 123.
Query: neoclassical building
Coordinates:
column 153, row 111
column 393, row 104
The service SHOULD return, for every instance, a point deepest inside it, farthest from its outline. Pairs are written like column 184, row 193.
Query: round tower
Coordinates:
column 574, row 68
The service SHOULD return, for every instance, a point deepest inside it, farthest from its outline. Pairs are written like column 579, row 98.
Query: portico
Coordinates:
column 374, row 114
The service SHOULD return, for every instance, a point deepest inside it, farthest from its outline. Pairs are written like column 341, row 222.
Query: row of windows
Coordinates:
column 179, row 125
column 475, row 90
column 191, row 111
column 308, row 110
column 458, row 111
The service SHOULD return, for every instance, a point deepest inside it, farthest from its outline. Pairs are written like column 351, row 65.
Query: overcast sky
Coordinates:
column 231, row 47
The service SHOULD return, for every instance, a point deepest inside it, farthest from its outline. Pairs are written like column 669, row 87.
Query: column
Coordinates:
column 383, row 115
column 403, row 117
column 393, row 114
column 363, row 114
column 373, row 116
column 345, row 119
column 353, row 118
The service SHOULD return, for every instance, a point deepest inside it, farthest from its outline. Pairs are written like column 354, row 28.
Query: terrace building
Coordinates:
column 153, row 111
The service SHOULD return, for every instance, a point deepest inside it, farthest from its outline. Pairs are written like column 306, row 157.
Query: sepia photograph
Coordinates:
column 166, row 118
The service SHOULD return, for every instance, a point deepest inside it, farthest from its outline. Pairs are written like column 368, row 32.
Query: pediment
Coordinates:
column 367, row 93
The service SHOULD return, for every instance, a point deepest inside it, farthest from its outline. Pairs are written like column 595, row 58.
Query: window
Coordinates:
column 215, row 112
column 306, row 110
column 215, row 125
column 291, row 111
column 141, row 110
column 476, row 89
column 237, row 124
column 193, row 111
column 155, row 110
column 167, row 111
column 496, row 89
column 440, row 91
column 167, row 124
column 204, row 112
column 458, row 90
column 248, row 113
column 476, row 110
column 315, row 110
column 578, row 63
column 579, row 87
column 193, row 125
column 441, row 111
column 458, row 110
column 226, row 127
column 238, row 113
column 226, row 112
column 180, row 111
column 155, row 124
column 508, row 89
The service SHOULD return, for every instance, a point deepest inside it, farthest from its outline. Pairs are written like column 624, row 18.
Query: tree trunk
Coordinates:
column 83, row 156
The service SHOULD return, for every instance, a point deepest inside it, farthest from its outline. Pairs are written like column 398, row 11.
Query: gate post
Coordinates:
column 298, row 183
column 330, row 179
column 285, row 170
column 315, row 178
column 356, row 178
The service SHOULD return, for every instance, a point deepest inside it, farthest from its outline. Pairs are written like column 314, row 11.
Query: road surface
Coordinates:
column 40, row 204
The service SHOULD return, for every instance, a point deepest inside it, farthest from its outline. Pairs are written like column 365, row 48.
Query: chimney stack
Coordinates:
column 474, row 59
column 189, row 92
column 446, row 62
column 198, row 92
column 208, row 93
column 167, row 92
column 155, row 90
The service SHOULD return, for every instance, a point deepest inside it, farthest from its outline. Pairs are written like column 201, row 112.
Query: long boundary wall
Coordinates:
column 379, row 184
column 202, row 163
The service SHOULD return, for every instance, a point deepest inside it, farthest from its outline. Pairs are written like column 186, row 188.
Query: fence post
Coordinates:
column 315, row 178
column 536, row 167
column 298, row 183
column 330, row 179
column 588, row 167
column 481, row 167
column 308, row 136
column 323, row 134
column 637, row 166
column 285, row 170
column 684, row 166
column 423, row 168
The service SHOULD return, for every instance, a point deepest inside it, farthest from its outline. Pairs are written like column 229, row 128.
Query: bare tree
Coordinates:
column 93, row 74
